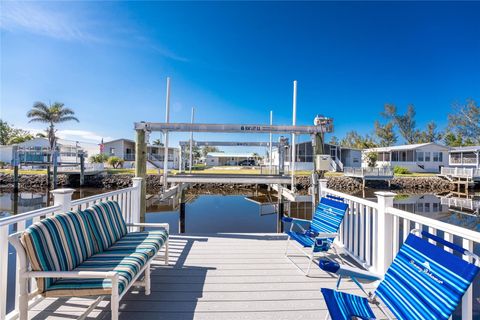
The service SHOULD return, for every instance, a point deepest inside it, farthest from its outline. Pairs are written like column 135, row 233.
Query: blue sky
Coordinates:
column 236, row 61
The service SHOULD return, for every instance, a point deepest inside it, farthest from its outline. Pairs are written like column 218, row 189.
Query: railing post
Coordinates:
column 136, row 196
column 384, row 231
column 322, row 185
column 63, row 197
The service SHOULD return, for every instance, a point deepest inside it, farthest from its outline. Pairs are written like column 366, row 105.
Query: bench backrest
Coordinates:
column 63, row 241
column 58, row 243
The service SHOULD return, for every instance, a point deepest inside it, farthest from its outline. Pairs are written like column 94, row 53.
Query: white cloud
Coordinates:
column 37, row 19
column 82, row 135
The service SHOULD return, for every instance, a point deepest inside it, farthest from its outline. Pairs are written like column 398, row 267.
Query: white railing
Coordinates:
column 372, row 233
column 458, row 172
column 368, row 172
column 88, row 167
column 461, row 202
column 128, row 199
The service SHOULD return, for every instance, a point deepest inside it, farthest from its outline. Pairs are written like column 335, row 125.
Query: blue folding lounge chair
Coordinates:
column 318, row 237
column 423, row 282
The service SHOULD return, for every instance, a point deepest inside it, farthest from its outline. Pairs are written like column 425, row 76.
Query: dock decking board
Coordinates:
column 217, row 276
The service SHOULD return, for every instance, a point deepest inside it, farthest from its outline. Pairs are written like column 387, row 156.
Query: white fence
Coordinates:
column 88, row 167
column 368, row 172
column 128, row 199
column 372, row 233
column 469, row 173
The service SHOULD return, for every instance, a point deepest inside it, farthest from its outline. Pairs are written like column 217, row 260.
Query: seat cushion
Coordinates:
column 345, row 306
column 106, row 223
column 149, row 242
column 58, row 243
column 127, row 265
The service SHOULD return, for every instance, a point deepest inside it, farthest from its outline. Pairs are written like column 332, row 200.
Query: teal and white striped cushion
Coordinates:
column 146, row 241
column 58, row 243
column 127, row 265
column 106, row 223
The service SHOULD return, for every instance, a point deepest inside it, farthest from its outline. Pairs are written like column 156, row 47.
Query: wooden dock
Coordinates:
column 217, row 276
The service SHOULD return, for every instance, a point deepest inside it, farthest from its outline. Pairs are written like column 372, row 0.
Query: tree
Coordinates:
column 371, row 159
column 207, row 149
column 385, row 134
column 115, row 162
column 404, row 122
column 452, row 139
column 430, row 134
column 157, row 142
column 10, row 135
column 98, row 158
column 334, row 141
column 465, row 121
column 355, row 140
column 52, row 115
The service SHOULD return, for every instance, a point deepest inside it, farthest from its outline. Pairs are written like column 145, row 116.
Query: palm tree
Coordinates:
column 52, row 114
column 157, row 142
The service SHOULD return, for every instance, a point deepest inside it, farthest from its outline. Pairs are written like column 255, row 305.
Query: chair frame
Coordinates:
column 310, row 254
column 371, row 296
column 24, row 274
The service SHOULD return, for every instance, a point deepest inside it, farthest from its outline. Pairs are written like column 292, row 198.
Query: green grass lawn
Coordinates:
column 10, row 171
column 415, row 175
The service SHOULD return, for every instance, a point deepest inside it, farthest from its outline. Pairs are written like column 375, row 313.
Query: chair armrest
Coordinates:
column 71, row 274
column 165, row 226
column 326, row 235
column 295, row 220
column 347, row 271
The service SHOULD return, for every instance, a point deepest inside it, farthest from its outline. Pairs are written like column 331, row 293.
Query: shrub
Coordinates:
column 371, row 159
column 115, row 162
column 98, row 158
column 400, row 170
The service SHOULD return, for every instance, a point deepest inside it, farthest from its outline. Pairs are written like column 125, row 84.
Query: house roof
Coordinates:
column 405, row 147
column 466, row 149
column 231, row 155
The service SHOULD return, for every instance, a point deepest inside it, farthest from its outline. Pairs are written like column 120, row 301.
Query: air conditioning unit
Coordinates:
column 323, row 162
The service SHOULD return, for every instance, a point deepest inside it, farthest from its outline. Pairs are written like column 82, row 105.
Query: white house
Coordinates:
column 341, row 156
column 125, row 149
column 228, row 158
column 422, row 157
column 36, row 150
column 465, row 157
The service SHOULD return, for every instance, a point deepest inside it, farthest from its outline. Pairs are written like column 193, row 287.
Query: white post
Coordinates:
column 191, row 143
column 294, row 122
column 270, row 146
column 137, row 185
column 63, row 197
column 384, row 231
column 322, row 185
column 165, row 152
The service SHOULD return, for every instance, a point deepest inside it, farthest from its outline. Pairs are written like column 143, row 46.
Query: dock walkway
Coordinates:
column 217, row 276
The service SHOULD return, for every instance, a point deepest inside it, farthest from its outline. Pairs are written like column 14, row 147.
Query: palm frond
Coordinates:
column 67, row 118
column 39, row 120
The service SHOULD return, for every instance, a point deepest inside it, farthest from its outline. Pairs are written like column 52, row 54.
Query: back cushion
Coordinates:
column 328, row 215
column 58, row 243
column 106, row 222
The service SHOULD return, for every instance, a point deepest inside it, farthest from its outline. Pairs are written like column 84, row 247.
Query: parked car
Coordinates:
column 247, row 163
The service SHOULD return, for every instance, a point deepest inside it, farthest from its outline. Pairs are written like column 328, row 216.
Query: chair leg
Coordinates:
column 147, row 279
column 166, row 252
column 286, row 247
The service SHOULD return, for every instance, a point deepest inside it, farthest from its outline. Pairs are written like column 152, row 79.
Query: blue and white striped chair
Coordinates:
column 423, row 282
column 322, row 230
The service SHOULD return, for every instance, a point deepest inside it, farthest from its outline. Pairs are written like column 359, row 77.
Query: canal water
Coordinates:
column 242, row 214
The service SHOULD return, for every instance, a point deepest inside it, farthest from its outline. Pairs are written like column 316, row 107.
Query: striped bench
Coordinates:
column 86, row 253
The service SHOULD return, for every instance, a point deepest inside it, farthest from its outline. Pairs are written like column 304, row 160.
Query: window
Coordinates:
column 420, row 156
column 112, row 151
column 435, row 156
column 440, row 156
column 419, row 207
column 427, row 156
column 427, row 207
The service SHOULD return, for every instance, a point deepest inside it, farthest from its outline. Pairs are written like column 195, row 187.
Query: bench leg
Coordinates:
column 23, row 299
column 114, row 302
column 147, row 279
column 166, row 252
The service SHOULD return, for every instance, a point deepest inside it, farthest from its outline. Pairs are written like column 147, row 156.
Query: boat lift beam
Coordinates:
column 227, row 144
column 231, row 128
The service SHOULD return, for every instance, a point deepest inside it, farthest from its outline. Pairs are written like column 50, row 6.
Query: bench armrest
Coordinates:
column 295, row 220
column 165, row 226
column 347, row 271
column 72, row 274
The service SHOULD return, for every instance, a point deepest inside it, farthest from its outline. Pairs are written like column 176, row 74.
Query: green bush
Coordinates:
column 115, row 162
column 98, row 158
column 400, row 170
